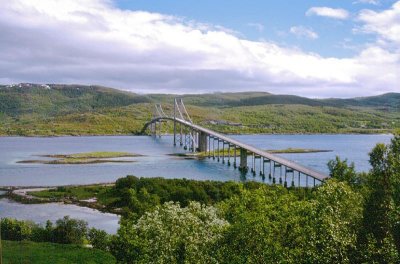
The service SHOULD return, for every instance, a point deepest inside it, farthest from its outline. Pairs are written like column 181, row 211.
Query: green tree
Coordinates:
column 337, row 215
column 381, row 230
column 70, row 231
column 268, row 225
column 99, row 239
column 342, row 171
column 170, row 234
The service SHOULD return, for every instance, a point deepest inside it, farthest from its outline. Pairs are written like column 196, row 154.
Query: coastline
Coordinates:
column 20, row 194
column 386, row 132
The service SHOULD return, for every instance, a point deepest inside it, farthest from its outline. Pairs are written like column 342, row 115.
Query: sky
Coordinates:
column 319, row 49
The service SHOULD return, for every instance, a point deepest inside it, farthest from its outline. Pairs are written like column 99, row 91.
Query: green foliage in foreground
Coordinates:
column 65, row 231
column 352, row 218
column 16, row 252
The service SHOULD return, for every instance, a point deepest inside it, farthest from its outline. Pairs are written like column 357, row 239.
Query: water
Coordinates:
column 156, row 163
column 40, row 213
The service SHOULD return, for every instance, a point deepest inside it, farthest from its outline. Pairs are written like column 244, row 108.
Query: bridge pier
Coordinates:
column 234, row 161
column 223, row 152
column 196, row 138
column 229, row 154
column 213, row 148
column 218, row 154
column 202, row 142
column 243, row 160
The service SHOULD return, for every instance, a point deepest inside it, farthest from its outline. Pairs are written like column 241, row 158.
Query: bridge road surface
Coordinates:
column 287, row 163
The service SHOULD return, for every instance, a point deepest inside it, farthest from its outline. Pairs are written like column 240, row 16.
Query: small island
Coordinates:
column 200, row 155
column 84, row 158
column 296, row 151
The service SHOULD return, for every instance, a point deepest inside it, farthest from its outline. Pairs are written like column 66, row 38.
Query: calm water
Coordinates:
column 40, row 213
column 156, row 163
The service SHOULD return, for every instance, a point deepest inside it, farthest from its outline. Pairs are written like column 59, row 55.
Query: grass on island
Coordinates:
column 297, row 150
column 104, row 194
column 84, row 158
column 93, row 155
column 232, row 152
column 44, row 253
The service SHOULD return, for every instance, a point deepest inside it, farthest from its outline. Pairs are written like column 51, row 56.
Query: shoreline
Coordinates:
column 231, row 134
column 20, row 194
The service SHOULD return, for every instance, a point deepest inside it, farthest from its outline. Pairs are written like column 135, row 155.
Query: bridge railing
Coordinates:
column 197, row 138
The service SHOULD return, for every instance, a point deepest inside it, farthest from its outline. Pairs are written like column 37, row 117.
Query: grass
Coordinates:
column 297, row 150
column 104, row 194
column 232, row 152
column 45, row 253
column 93, row 155
column 84, row 158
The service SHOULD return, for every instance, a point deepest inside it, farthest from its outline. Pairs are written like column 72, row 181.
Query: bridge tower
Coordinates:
column 196, row 138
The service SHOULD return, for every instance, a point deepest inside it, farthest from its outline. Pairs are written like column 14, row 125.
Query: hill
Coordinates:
column 56, row 99
column 56, row 109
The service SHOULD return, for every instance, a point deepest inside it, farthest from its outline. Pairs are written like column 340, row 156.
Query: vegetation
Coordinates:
column 93, row 155
column 32, row 110
column 352, row 218
column 43, row 253
column 84, row 158
column 134, row 196
column 231, row 152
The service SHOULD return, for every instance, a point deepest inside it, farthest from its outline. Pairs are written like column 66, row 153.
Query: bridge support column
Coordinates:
column 243, row 160
column 202, row 142
column 213, row 148
column 180, row 135
column 234, row 161
column 223, row 152
column 229, row 154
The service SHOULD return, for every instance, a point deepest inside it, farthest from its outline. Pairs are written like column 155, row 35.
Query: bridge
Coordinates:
column 227, row 150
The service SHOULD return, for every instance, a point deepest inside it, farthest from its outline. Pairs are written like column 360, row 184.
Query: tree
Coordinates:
column 337, row 215
column 381, row 225
column 340, row 170
column 170, row 234
column 99, row 239
column 70, row 231
column 268, row 225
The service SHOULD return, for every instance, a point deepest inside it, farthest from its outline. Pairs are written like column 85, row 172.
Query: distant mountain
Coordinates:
column 55, row 99
column 57, row 109
column 52, row 99
column 384, row 101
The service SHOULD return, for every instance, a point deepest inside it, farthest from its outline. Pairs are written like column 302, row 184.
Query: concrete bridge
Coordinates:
column 230, row 151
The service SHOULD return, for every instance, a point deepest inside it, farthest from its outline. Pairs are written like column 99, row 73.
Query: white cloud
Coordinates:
column 302, row 31
column 93, row 42
column 385, row 23
column 337, row 13
column 258, row 26
column 371, row 2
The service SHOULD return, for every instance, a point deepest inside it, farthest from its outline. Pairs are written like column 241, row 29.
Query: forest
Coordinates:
column 350, row 218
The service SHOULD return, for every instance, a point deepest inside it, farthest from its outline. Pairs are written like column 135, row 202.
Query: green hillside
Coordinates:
column 30, row 109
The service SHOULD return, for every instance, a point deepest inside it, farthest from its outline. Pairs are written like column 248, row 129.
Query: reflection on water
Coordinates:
column 40, row 213
column 157, row 162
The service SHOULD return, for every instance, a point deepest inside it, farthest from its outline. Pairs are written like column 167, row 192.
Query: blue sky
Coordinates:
column 335, row 37
column 308, row 48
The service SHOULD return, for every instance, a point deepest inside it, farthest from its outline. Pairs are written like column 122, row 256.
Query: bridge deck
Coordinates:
column 288, row 163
